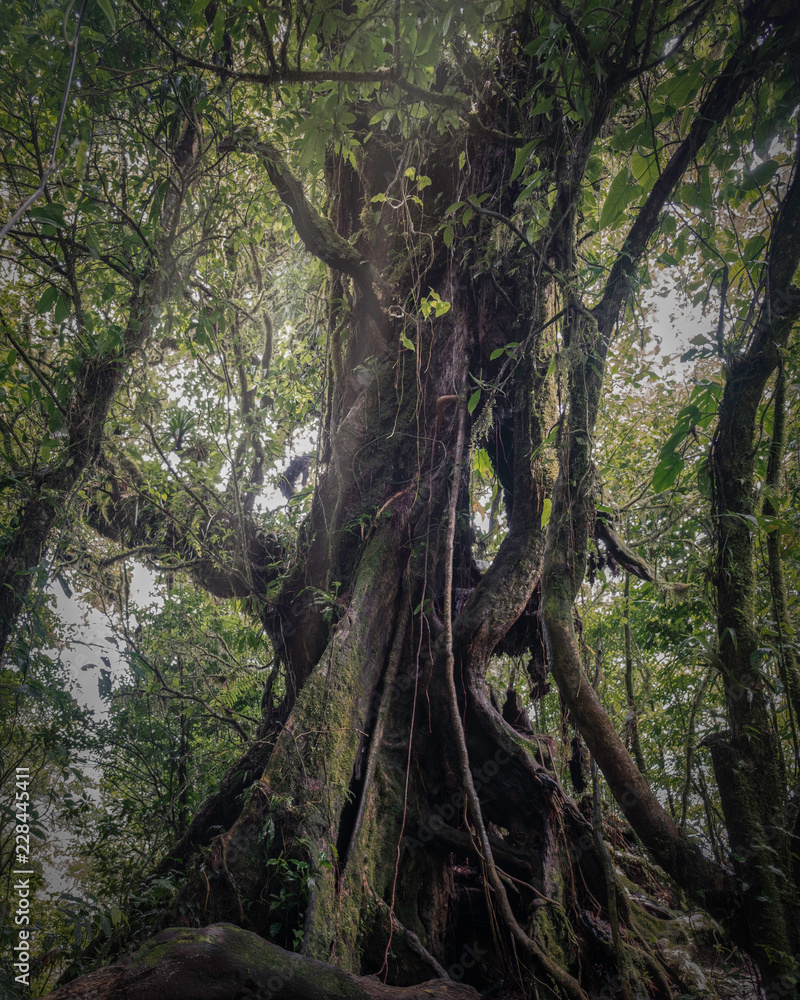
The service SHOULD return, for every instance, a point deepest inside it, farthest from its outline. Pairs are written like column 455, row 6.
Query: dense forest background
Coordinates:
column 399, row 428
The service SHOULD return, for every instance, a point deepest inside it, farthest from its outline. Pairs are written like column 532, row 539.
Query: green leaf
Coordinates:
column 704, row 479
column 473, row 401
column 683, row 86
column 705, row 192
column 80, row 159
column 496, row 353
column 547, row 510
column 621, row 193
column 219, row 27
column 47, row 301
column 108, row 10
column 644, row 169
column 761, row 175
column 406, row 342
column 63, row 308
column 667, row 471
column 481, row 462
column 447, row 236
column 754, row 246
column 686, row 120
column 53, row 213
column 522, row 158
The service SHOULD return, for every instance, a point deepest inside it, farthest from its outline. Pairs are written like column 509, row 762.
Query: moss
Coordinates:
column 351, row 910
column 331, row 712
column 224, row 951
column 244, row 945
column 555, row 935
column 331, row 708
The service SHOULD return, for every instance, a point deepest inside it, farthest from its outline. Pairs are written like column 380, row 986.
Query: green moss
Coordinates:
column 225, row 950
column 330, row 709
column 325, row 734
column 352, row 911
column 555, row 935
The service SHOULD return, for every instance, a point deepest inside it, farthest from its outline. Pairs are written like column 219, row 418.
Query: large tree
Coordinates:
column 464, row 204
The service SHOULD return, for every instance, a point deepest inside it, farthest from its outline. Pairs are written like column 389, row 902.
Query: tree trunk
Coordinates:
column 747, row 759
column 401, row 826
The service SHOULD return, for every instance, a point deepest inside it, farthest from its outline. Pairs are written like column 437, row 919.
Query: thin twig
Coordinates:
column 51, row 166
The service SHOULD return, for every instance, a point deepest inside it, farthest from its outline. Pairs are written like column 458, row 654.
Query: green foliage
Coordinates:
column 290, row 882
column 172, row 730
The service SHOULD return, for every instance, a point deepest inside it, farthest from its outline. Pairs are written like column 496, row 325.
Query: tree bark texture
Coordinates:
column 224, row 962
column 747, row 758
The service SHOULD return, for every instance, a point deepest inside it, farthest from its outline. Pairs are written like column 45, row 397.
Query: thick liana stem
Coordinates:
column 566, row 984
column 790, row 674
column 562, row 577
column 747, row 759
column 632, row 722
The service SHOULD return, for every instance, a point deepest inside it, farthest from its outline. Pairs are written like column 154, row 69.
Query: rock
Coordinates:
column 681, row 966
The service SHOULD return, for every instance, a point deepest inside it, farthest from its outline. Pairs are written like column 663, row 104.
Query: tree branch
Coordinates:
column 745, row 66
column 229, row 720
column 226, row 558
column 317, row 233
column 283, row 74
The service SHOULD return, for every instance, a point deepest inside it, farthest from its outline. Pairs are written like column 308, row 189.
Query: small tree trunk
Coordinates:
column 632, row 722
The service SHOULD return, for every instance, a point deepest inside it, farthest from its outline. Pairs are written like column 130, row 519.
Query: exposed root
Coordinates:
column 411, row 939
column 230, row 878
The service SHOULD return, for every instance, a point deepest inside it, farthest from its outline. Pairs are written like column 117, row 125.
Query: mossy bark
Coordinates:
column 747, row 760
column 224, row 962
